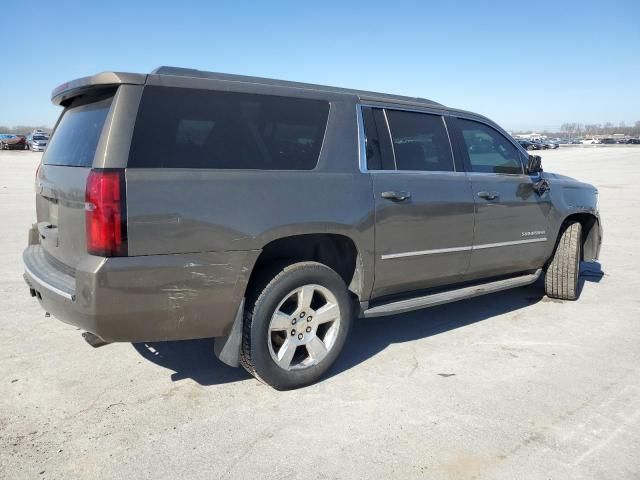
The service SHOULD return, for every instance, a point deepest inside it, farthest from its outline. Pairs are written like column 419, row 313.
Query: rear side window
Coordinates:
column 189, row 128
column 420, row 141
column 76, row 137
column 489, row 151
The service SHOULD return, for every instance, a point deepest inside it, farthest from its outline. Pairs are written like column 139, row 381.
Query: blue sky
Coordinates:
column 523, row 64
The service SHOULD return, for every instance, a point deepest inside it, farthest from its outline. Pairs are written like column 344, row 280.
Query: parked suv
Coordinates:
column 268, row 214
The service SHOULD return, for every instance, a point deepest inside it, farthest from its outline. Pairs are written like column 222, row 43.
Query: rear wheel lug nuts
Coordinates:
column 308, row 329
column 300, row 336
column 302, row 314
column 293, row 322
column 309, row 318
column 293, row 331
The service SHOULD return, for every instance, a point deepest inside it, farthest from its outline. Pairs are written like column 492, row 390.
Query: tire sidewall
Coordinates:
column 274, row 293
column 578, row 261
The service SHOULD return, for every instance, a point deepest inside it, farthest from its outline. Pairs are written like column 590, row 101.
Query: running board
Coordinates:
column 434, row 299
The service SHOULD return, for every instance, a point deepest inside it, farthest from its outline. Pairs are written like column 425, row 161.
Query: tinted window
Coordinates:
column 76, row 137
column 420, row 141
column 489, row 151
column 377, row 142
column 188, row 128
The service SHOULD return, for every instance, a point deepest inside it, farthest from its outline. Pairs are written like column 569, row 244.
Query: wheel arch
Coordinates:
column 335, row 250
column 591, row 233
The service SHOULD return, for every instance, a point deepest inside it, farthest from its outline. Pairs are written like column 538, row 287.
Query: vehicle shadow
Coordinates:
column 192, row 359
column 370, row 336
column 195, row 359
column 589, row 272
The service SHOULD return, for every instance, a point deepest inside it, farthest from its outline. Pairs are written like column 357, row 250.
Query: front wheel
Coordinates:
column 297, row 325
column 561, row 278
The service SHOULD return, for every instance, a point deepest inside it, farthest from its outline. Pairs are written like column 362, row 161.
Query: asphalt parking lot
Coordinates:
column 511, row 385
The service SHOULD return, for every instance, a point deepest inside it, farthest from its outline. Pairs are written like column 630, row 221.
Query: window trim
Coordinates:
column 362, row 160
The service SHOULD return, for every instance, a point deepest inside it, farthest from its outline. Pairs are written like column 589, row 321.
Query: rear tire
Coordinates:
column 295, row 325
column 561, row 278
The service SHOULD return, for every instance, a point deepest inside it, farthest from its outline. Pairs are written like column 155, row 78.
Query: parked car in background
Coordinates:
column 541, row 145
column 9, row 141
column 608, row 141
column 590, row 141
column 527, row 145
column 37, row 142
column 634, row 141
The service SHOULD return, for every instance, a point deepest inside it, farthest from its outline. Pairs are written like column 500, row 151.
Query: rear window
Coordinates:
column 76, row 137
column 189, row 128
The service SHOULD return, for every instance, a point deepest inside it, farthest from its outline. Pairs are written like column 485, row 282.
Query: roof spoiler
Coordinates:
column 68, row 90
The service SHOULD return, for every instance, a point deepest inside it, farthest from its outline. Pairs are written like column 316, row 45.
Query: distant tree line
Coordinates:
column 23, row 129
column 579, row 129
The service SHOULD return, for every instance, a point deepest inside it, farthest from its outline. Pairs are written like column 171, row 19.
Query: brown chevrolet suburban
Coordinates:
column 185, row 204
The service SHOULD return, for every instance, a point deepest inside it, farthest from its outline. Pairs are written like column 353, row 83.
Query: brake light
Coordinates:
column 105, row 205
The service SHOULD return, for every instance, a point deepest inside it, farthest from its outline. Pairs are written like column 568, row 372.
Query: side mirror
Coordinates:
column 534, row 164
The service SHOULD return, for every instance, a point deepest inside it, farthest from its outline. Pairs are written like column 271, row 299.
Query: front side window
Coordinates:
column 420, row 141
column 189, row 128
column 489, row 151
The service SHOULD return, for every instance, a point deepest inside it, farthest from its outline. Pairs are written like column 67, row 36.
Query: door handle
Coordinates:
column 489, row 195
column 396, row 196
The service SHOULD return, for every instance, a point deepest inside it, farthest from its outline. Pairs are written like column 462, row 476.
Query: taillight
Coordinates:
column 105, row 205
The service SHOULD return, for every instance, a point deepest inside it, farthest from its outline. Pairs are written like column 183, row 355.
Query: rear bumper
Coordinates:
column 146, row 298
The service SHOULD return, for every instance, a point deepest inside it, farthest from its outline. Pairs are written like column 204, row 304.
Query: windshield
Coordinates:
column 76, row 137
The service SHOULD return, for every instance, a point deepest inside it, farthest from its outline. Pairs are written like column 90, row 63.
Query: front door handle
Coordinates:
column 489, row 195
column 396, row 196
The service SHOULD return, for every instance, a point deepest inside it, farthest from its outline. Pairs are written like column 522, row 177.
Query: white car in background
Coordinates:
column 38, row 142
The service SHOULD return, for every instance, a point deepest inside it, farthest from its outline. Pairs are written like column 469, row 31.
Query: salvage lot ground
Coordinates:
column 512, row 385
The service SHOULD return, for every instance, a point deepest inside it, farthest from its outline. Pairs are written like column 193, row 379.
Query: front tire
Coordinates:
column 295, row 325
column 561, row 278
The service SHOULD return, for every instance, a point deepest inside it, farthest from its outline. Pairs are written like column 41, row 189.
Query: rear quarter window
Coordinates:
column 190, row 128
column 76, row 137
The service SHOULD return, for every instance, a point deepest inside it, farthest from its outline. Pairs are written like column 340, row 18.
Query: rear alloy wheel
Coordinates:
column 304, row 327
column 297, row 326
column 563, row 273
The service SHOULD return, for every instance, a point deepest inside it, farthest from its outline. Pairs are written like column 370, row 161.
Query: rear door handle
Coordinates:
column 489, row 195
column 396, row 196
